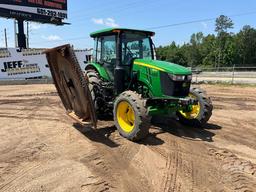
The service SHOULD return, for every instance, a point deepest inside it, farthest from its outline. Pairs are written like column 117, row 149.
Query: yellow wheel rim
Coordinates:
column 193, row 114
column 125, row 116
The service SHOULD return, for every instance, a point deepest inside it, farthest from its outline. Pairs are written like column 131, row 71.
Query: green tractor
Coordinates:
column 126, row 82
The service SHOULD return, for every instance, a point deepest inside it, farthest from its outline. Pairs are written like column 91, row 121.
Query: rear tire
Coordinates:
column 204, row 112
column 130, row 116
column 95, row 87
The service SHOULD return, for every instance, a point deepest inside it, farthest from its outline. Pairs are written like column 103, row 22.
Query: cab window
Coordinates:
column 135, row 45
column 106, row 50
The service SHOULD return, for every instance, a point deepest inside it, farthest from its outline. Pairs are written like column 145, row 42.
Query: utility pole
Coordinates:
column 5, row 37
column 21, row 35
column 15, row 34
column 27, row 34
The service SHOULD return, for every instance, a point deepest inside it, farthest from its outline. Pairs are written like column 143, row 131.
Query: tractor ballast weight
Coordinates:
column 126, row 82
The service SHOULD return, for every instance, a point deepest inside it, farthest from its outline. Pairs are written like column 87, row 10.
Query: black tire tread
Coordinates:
column 206, row 106
column 142, row 129
column 95, row 82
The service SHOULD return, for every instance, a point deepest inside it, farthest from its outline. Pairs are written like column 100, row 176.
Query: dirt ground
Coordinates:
column 41, row 149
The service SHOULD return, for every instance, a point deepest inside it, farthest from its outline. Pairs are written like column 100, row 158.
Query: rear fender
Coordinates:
column 100, row 69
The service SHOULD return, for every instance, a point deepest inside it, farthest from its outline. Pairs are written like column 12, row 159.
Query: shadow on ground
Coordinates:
column 161, row 124
column 98, row 135
column 173, row 127
column 102, row 135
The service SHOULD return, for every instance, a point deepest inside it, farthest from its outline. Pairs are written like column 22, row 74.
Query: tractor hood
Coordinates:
column 163, row 66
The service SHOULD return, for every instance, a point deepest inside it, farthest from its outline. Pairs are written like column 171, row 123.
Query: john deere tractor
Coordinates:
column 126, row 82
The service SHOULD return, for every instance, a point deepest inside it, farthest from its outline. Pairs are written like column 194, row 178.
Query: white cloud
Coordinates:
column 110, row 22
column 34, row 26
column 98, row 21
column 204, row 25
column 52, row 38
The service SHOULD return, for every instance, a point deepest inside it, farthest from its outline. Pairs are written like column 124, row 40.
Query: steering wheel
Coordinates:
column 129, row 51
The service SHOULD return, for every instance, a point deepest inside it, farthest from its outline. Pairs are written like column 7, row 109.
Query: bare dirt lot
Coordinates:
column 41, row 149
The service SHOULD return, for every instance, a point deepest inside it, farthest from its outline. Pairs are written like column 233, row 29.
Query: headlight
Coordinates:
column 177, row 77
column 180, row 77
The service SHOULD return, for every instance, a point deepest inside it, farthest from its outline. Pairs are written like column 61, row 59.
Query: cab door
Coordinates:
column 106, row 54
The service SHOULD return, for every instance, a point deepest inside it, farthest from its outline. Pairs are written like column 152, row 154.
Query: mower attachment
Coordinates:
column 72, row 85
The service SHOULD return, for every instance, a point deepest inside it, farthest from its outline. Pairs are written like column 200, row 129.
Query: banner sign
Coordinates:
column 44, row 11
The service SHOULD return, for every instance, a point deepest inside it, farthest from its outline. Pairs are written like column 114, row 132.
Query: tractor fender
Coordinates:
column 98, row 68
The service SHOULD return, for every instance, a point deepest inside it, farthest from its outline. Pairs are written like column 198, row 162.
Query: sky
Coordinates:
column 86, row 16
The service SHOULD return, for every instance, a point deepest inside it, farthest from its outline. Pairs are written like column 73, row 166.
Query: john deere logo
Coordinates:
column 12, row 65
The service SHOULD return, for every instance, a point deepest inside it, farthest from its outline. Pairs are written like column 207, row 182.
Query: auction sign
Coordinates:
column 43, row 11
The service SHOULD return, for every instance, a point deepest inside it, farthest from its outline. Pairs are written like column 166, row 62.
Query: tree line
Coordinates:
column 223, row 49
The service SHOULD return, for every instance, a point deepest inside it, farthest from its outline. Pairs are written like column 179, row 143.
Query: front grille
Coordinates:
column 174, row 88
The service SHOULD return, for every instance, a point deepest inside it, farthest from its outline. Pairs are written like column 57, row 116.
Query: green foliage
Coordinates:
column 223, row 49
column 223, row 23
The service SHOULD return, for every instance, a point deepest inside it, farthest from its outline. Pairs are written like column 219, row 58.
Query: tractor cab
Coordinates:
column 117, row 48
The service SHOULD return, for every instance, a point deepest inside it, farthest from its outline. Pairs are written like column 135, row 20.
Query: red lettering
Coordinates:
column 52, row 4
column 60, row 1
column 38, row 2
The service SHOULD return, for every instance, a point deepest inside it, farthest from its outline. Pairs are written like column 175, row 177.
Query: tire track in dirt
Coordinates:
column 95, row 160
column 52, row 93
column 55, row 113
column 186, row 156
column 96, row 163
column 241, row 174
column 8, row 185
column 132, row 165
column 22, row 111
column 175, row 160
column 31, row 149
column 114, row 171
column 32, row 129
column 170, row 179
column 178, row 169
column 179, row 175
column 106, row 162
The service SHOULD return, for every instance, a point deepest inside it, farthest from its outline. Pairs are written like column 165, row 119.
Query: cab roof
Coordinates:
column 110, row 31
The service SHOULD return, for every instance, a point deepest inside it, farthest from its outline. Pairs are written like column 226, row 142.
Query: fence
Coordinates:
column 25, row 81
column 232, row 75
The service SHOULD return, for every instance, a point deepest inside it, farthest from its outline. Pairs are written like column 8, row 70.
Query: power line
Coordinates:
column 118, row 9
column 199, row 21
column 161, row 27
column 61, row 40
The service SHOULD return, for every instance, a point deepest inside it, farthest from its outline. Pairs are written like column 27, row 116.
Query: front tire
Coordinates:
column 130, row 116
column 200, row 113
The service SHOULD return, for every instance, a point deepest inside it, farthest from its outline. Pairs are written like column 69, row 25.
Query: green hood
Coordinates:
column 163, row 66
